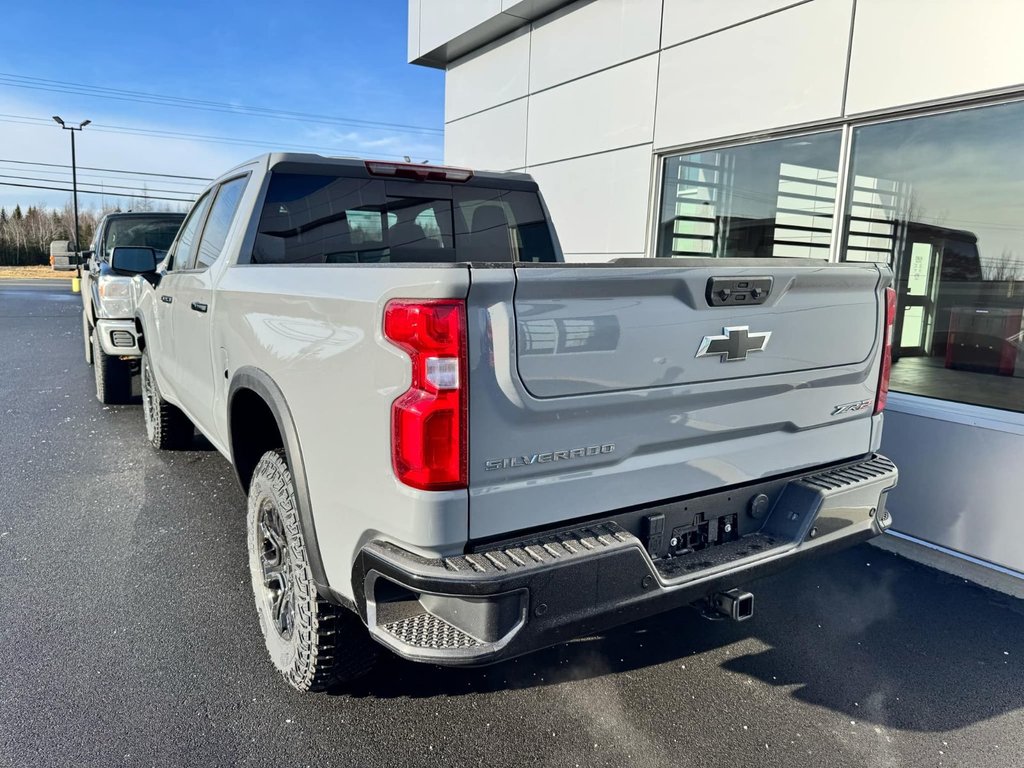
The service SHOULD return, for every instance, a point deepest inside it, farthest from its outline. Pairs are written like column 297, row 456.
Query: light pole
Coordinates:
column 74, row 179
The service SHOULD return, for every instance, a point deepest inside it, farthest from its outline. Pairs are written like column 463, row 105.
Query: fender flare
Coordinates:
column 260, row 382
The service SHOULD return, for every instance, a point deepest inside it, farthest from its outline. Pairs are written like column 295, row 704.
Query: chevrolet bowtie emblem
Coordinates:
column 734, row 344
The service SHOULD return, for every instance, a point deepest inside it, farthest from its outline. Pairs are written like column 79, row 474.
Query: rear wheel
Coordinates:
column 87, row 337
column 167, row 428
column 113, row 375
column 314, row 643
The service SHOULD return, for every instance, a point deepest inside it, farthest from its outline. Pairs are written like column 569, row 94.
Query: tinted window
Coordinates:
column 771, row 198
column 183, row 251
column 222, row 213
column 501, row 225
column 156, row 232
column 941, row 199
column 336, row 220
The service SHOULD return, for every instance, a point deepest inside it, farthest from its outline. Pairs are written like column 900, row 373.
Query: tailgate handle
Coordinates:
column 733, row 291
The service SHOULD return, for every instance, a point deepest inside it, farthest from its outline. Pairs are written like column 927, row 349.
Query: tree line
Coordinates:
column 25, row 234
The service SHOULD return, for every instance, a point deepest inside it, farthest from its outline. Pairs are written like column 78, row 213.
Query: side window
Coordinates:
column 97, row 241
column 222, row 213
column 181, row 253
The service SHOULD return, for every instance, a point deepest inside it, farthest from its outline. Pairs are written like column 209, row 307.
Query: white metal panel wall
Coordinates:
column 598, row 203
column 905, row 52
column 783, row 69
column 413, row 29
column 585, row 81
column 579, row 81
column 493, row 140
column 494, row 75
column 689, row 19
column 581, row 39
column 961, row 484
column 442, row 20
column 584, row 129
column 608, row 110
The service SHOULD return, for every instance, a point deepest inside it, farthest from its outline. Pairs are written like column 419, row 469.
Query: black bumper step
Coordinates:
column 553, row 548
column 518, row 596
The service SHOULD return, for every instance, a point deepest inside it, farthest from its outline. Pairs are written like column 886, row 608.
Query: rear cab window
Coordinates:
column 312, row 218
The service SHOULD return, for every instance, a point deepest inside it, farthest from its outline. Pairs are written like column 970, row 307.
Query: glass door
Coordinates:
column 917, row 287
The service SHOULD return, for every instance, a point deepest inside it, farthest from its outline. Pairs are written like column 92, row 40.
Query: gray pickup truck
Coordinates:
column 459, row 447
column 108, row 328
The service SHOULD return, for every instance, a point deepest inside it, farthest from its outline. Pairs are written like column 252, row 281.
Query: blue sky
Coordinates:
column 340, row 59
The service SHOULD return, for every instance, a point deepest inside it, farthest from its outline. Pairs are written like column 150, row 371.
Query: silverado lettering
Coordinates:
column 544, row 458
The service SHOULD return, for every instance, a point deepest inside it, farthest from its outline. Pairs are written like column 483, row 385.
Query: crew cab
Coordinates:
column 459, row 447
column 108, row 327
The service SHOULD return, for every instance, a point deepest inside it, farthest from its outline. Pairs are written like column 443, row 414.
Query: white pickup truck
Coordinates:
column 461, row 448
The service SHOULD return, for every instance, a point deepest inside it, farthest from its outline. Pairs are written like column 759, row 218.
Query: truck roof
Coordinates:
column 272, row 159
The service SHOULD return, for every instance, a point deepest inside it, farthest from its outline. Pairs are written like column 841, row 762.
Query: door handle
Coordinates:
column 198, row 306
column 165, row 298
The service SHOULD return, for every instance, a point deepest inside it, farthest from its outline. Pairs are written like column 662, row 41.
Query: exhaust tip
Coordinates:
column 735, row 604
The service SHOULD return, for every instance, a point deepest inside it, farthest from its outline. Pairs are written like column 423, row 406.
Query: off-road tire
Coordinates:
column 167, row 427
column 325, row 645
column 113, row 375
column 87, row 337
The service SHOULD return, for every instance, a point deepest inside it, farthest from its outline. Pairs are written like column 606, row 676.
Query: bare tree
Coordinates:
column 1006, row 268
column 142, row 202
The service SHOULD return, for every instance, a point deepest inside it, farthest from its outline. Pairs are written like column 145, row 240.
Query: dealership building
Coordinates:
column 860, row 130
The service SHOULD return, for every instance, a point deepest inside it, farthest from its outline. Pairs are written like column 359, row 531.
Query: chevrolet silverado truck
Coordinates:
column 108, row 327
column 456, row 446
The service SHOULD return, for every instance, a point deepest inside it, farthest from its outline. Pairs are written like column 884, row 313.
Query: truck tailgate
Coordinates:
column 609, row 386
column 634, row 329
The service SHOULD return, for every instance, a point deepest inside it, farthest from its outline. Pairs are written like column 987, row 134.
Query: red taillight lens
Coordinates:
column 429, row 422
column 890, row 322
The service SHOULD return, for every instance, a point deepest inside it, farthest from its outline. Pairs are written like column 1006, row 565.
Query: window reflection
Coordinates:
column 941, row 198
column 772, row 198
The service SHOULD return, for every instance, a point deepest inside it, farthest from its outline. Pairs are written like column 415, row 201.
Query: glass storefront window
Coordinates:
column 772, row 198
column 941, row 198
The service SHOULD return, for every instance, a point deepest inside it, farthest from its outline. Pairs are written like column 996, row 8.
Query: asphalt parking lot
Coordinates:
column 128, row 634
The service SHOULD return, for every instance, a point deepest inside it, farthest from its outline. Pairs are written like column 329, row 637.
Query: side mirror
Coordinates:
column 133, row 260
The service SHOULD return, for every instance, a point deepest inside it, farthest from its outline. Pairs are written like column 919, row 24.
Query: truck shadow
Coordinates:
column 864, row 632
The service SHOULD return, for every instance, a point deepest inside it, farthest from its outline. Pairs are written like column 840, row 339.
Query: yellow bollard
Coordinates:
column 76, row 284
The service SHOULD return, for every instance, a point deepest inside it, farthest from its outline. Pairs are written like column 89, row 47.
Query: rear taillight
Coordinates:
column 883, row 378
column 429, row 421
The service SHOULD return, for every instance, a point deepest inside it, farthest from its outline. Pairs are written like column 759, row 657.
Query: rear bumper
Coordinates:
column 524, row 595
column 118, row 337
